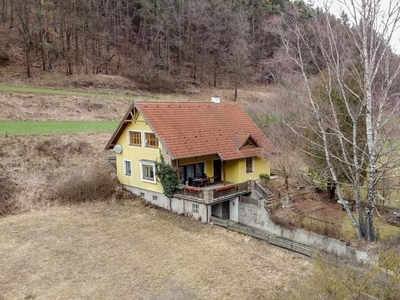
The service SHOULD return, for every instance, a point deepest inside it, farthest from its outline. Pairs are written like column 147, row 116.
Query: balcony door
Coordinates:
column 217, row 170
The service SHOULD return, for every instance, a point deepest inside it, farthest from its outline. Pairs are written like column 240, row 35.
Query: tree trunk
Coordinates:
column 28, row 64
column 11, row 13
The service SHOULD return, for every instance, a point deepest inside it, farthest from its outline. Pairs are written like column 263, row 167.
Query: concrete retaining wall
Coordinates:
column 258, row 217
column 180, row 206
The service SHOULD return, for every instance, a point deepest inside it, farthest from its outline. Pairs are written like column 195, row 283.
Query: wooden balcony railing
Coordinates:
column 210, row 194
column 230, row 189
column 190, row 191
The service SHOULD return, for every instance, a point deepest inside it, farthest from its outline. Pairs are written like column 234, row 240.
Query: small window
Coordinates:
column 195, row 208
column 155, row 197
column 135, row 138
column 249, row 165
column 127, row 168
column 142, row 195
column 148, row 171
column 151, row 140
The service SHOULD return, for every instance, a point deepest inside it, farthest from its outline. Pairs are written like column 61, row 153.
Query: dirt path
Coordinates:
column 128, row 251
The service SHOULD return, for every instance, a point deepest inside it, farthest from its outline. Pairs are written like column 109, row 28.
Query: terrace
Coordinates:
column 215, row 192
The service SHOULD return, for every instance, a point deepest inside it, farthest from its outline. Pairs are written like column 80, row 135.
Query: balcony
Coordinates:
column 213, row 193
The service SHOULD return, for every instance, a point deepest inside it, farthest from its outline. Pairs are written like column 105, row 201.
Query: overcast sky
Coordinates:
column 335, row 9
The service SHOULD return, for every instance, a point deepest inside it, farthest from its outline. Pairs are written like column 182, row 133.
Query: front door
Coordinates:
column 217, row 170
column 234, row 210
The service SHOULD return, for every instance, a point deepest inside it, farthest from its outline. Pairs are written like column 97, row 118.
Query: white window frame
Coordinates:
column 144, row 141
column 130, row 163
column 148, row 163
column 195, row 208
column 252, row 165
column 129, row 138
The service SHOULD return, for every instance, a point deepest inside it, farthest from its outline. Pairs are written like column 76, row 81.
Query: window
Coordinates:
column 249, row 165
column 249, row 144
column 127, row 168
column 193, row 171
column 142, row 195
column 148, row 171
column 155, row 197
column 135, row 138
column 151, row 140
column 195, row 208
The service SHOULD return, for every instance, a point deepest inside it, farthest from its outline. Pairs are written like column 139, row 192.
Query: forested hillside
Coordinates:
column 204, row 41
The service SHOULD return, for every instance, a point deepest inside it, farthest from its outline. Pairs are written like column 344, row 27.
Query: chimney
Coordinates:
column 237, row 142
column 215, row 99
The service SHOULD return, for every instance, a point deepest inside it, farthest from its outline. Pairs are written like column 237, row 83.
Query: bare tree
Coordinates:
column 23, row 23
column 352, row 61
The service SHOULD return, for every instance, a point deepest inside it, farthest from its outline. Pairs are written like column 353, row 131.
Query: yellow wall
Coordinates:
column 135, row 155
column 236, row 169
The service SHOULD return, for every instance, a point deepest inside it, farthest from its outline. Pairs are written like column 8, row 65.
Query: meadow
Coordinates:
column 54, row 127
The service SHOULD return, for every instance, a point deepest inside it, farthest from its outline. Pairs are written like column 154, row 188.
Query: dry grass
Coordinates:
column 128, row 251
column 7, row 194
column 41, row 107
column 38, row 163
column 93, row 183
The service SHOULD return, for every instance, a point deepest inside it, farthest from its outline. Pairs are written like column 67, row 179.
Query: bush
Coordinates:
column 264, row 175
column 7, row 192
column 91, row 184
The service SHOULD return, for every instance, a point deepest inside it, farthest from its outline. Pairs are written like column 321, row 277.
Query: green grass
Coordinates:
column 54, row 127
column 34, row 90
column 386, row 231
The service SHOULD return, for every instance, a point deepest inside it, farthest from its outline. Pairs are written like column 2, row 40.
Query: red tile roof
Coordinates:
column 189, row 129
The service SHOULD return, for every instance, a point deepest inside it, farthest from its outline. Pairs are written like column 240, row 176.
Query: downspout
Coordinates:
column 178, row 174
column 224, row 171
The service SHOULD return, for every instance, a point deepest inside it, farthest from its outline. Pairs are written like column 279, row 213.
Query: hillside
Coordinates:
column 117, row 246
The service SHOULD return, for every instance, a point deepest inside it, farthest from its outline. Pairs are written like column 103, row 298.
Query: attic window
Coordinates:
column 249, row 143
column 151, row 140
column 135, row 138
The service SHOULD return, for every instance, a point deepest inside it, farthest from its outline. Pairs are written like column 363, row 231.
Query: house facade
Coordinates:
column 216, row 149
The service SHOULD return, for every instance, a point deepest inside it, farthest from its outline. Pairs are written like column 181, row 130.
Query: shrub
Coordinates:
column 7, row 192
column 264, row 175
column 90, row 184
column 167, row 176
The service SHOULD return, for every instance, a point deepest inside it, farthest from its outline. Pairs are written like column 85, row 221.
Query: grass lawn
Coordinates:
column 129, row 251
column 34, row 90
column 54, row 127
column 386, row 231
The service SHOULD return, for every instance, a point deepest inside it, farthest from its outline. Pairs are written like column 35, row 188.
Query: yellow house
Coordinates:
column 216, row 149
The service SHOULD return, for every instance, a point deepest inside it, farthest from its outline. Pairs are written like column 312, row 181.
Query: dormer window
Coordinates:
column 151, row 140
column 249, row 143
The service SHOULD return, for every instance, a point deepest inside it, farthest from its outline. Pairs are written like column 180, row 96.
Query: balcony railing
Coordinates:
column 209, row 193
column 190, row 191
column 230, row 189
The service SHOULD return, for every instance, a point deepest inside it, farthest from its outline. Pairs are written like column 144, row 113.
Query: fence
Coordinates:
column 269, row 238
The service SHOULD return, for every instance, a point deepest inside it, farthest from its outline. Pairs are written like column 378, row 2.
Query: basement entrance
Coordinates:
column 228, row 210
column 220, row 210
